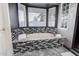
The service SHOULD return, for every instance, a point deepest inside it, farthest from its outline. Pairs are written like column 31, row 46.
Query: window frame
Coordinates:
column 47, row 13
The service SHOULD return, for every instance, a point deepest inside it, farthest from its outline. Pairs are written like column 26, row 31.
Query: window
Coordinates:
column 22, row 15
column 36, row 17
column 52, row 17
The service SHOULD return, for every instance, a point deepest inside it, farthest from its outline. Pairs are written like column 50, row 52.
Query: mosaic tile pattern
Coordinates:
column 17, row 31
column 41, row 52
column 22, row 47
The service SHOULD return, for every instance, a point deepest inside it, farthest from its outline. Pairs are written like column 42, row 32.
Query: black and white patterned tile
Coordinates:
column 22, row 47
column 18, row 31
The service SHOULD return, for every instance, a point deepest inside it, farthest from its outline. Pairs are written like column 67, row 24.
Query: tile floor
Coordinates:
column 61, row 51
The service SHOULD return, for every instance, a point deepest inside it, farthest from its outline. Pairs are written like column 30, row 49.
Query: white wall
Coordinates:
column 5, row 36
column 68, row 33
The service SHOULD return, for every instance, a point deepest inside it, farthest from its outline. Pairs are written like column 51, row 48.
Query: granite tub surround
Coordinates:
column 31, row 45
column 41, row 52
column 22, row 47
column 35, row 36
column 30, row 30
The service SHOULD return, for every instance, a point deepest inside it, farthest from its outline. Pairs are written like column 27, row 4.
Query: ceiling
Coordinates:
column 41, row 5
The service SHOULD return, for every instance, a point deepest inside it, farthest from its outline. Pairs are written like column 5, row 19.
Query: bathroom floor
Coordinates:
column 61, row 51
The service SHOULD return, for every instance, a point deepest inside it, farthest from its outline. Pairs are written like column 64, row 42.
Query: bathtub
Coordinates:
column 37, row 36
